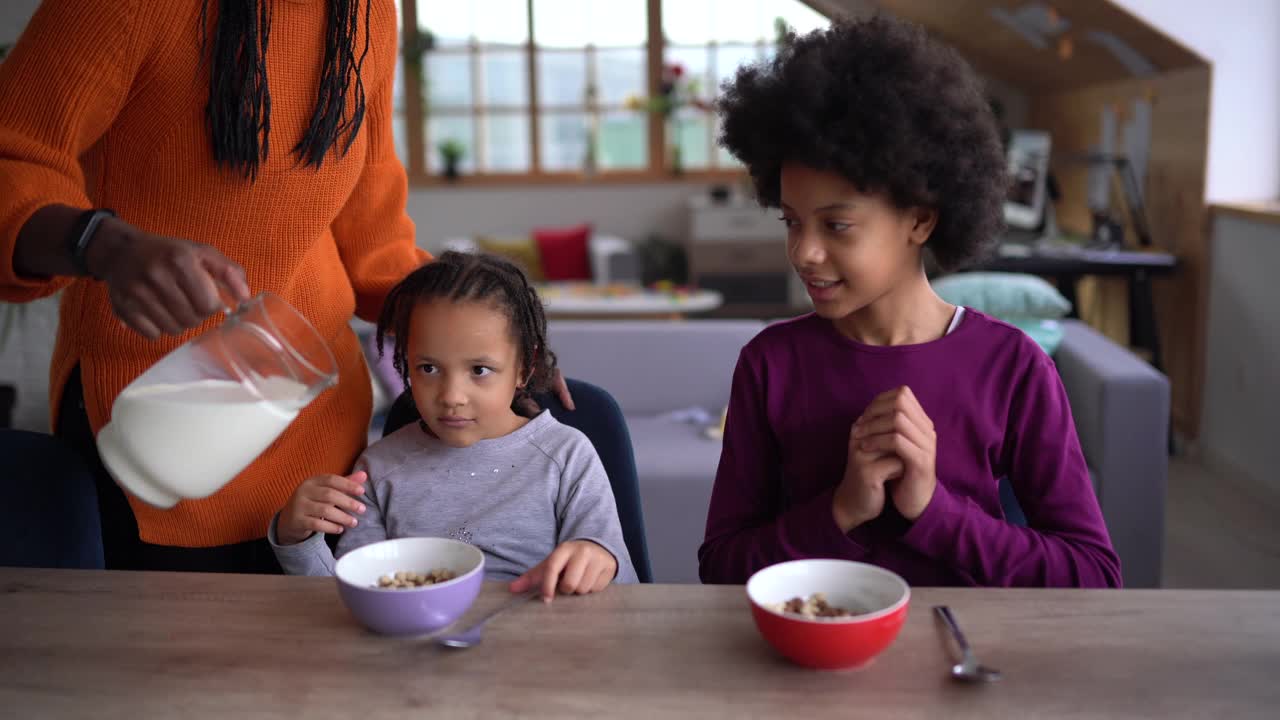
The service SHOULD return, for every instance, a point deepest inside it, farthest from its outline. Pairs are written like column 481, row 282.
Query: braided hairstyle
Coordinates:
column 239, row 107
column 475, row 277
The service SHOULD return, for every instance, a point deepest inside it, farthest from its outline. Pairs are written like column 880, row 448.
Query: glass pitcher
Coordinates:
column 199, row 416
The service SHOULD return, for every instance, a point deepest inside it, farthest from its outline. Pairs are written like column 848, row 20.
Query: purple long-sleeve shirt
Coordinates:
column 999, row 410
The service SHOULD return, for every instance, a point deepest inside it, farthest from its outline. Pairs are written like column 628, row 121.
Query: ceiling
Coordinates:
column 1039, row 47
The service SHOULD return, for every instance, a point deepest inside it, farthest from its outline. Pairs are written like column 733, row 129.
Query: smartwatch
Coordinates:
column 82, row 234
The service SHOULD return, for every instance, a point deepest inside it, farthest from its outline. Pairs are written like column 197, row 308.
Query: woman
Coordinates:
column 240, row 146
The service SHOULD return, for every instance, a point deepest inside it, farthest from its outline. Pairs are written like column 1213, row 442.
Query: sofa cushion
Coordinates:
column 1007, row 296
column 520, row 250
column 676, row 464
column 1046, row 333
column 564, row 252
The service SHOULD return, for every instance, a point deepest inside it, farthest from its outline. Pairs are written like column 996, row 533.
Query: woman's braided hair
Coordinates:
column 239, row 107
column 475, row 277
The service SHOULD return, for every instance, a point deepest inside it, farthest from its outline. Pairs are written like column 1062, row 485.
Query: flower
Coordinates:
column 674, row 92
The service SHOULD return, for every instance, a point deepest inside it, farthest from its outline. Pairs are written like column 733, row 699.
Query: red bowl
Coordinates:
column 830, row 643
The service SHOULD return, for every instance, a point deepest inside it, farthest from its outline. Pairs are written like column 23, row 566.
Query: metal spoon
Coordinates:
column 968, row 669
column 471, row 636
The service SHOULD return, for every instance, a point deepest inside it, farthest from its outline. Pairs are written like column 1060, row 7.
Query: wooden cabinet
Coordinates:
column 739, row 250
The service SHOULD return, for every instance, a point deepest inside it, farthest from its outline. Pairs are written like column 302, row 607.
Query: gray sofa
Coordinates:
column 653, row 368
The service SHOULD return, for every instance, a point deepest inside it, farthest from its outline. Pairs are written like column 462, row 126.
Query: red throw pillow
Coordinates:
column 564, row 252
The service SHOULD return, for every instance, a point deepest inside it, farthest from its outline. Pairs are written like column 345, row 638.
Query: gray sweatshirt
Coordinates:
column 515, row 498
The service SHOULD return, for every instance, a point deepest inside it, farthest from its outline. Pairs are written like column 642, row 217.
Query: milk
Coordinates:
column 168, row 442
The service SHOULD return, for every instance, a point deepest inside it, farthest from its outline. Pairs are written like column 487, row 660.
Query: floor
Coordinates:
column 1221, row 530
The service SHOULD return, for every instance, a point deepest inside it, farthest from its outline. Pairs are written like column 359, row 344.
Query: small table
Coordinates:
column 595, row 302
column 113, row 644
column 1066, row 265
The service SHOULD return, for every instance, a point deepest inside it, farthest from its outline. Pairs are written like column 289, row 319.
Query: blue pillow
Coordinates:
column 1046, row 333
column 1008, row 296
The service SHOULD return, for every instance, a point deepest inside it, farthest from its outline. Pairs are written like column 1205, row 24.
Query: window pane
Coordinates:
column 723, row 158
column 398, row 129
column 624, row 141
column 697, row 22
column 562, row 78
column 729, row 58
column 399, row 123
column 487, row 21
column 696, row 62
column 620, row 74
column 578, row 23
column 692, row 134
column 619, row 23
column 564, row 140
column 506, row 143
column 687, row 22
column 799, row 16
column 505, row 78
column 451, row 127
column 448, row 79
column 738, row 21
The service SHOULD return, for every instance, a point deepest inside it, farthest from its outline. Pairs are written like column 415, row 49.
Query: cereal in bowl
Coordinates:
column 813, row 607
column 404, row 580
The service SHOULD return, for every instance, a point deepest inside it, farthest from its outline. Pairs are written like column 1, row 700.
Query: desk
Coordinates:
column 113, row 644
column 1067, row 265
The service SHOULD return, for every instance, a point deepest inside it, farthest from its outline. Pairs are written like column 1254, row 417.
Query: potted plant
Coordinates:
column 416, row 44
column 451, row 152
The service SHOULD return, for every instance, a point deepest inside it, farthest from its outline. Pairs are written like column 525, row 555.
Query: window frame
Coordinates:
column 657, row 170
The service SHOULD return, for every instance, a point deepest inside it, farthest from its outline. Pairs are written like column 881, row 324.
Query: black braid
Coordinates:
column 239, row 107
column 475, row 277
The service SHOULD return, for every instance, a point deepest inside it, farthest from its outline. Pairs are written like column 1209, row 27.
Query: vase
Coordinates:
column 675, row 160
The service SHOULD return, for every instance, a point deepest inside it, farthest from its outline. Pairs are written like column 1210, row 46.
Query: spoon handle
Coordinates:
column 502, row 608
column 944, row 612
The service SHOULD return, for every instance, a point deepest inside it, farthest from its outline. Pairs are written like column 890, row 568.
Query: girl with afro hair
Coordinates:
column 878, row 427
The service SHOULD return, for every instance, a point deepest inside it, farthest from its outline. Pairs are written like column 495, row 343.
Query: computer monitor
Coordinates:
column 1028, row 158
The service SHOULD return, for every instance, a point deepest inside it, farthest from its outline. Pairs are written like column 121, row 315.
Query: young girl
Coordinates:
column 484, row 465
column 877, row 428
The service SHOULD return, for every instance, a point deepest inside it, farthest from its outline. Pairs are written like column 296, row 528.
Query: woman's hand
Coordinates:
column 562, row 390
column 895, row 423
column 161, row 285
column 575, row 567
column 324, row 503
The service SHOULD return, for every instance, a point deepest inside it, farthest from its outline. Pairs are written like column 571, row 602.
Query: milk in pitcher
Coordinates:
column 166, row 442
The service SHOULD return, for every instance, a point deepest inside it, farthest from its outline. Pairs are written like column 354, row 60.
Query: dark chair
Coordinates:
column 55, row 519
column 597, row 416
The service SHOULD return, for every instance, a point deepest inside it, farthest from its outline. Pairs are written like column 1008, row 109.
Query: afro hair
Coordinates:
column 882, row 104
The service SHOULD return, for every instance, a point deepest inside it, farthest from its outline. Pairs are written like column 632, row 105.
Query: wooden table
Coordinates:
column 125, row 645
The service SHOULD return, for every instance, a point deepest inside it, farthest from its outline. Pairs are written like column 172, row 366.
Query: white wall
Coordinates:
column 1242, row 379
column 1242, row 40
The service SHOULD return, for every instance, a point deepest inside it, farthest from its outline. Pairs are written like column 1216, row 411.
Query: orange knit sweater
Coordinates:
column 102, row 105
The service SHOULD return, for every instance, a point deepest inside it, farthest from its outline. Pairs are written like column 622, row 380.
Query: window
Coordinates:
column 710, row 40
column 550, row 88
column 590, row 57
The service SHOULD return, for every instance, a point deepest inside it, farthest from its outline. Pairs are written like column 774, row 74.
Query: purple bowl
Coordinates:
column 417, row 610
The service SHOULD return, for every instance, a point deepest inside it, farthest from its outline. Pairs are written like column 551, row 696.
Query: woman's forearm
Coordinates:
column 41, row 249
